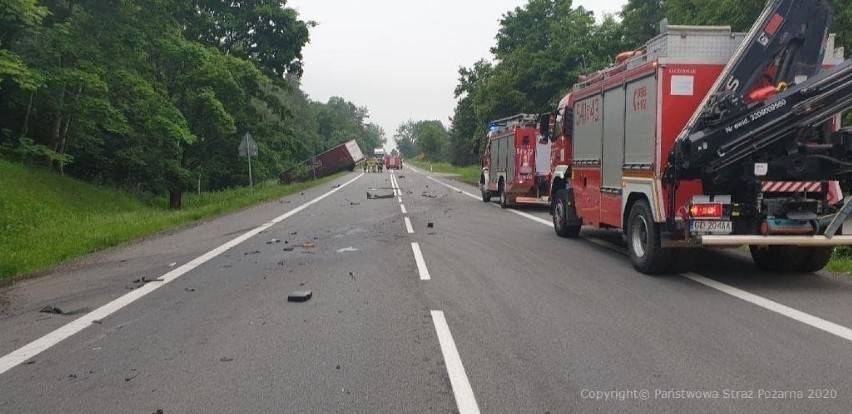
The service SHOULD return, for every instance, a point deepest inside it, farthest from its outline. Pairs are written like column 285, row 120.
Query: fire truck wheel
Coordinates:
column 560, row 217
column 486, row 196
column 779, row 259
column 643, row 241
column 504, row 199
column 816, row 258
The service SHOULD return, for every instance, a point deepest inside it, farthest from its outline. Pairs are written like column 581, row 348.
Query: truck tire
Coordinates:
column 504, row 199
column 778, row 259
column 486, row 196
column 560, row 216
column 816, row 258
column 643, row 241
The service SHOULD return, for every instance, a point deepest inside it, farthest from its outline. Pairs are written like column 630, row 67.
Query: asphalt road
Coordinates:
column 429, row 301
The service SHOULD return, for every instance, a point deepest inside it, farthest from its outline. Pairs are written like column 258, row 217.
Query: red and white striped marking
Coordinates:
column 834, row 193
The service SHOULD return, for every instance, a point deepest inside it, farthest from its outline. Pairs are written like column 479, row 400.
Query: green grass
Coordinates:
column 469, row 174
column 46, row 219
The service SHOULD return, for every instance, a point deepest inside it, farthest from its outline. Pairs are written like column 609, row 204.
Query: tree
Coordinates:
column 641, row 19
column 265, row 32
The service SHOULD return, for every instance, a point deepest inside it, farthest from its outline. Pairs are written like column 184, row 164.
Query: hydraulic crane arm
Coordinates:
column 770, row 98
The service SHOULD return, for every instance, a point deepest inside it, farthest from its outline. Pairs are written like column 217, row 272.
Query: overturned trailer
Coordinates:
column 339, row 158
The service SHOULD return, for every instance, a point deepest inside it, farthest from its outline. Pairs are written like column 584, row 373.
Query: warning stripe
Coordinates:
column 834, row 192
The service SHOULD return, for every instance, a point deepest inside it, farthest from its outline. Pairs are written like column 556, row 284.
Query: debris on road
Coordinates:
column 308, row 245
column 172, row 264
column 347, row 250
column 289, row 249
column 273, row 241
column 428, row 195
column 294, row 233
column 401, row 177
column 253, row 252
column 226, row 359
column 51, row 309
column 132, row 376
column 300, row 296
column 430, row 225
column 336, row 186
column 354, row 204
column 378, row 195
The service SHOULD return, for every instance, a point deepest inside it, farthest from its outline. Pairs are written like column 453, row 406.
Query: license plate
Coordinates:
column 710, row 226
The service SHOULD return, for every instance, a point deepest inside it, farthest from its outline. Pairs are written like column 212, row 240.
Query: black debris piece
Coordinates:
column 137, row 280
column 354, row 204
column 51, row 309
column 254, row 252
column 97, row 322
column 273, row 241
column 300, row 296
column 430, row 225
column 289, row 249
column 226, row 359
column 336, row 186
column 189, row 289
column 294, row 233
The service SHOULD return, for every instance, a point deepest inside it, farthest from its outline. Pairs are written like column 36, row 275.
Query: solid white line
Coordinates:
column 465, row 400
column 402, row 207
column 458, row 190
column 400, row 199
column 39, row 345
column 408, row 226
column 421, row 264
column 776, row 307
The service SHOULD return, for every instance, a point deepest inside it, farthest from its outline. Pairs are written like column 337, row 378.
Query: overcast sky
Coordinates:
column 400, row 58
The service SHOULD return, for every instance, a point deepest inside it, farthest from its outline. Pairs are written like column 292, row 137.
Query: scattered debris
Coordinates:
column 228, row 266
column 289, row 249
column 138, row 280
column 189, row 289
column 30, row 362
column 336, row 186
column 131, row 377
column 374, row 196
column 226, row 359
column 51, row 309
column 300, row 296
column 273, row 241
column 337, row 367
column 401, row 177
column 352, row 275
column 172, row 264
column 159, row 411
column 301, row 193
column 347, row 250
column 431, row 233
column 74, row 376
column 308, row 245
column 430, row 225
column 294, row 233
column 97, row 322
column 254, row 252
column 354, row 204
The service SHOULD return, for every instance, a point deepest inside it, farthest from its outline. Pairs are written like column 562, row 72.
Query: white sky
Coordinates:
column 400, row 58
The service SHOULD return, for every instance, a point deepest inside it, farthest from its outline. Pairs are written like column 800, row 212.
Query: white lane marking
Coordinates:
column 465, row 400
column 38, row 346
column 400, row 199
column 402, row 207
column 395, row 186
column 776, row 307
column 421, row 264
column 458, row 190
column 408, row 226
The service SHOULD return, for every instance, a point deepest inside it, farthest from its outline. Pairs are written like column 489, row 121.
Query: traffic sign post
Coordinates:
column 248, row 148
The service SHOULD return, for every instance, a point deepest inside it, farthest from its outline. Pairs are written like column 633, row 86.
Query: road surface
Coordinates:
column 427, row 301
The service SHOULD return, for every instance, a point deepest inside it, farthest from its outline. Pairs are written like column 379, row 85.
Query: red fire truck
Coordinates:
column 393, row 162
column 705, row 137
column 516, row 165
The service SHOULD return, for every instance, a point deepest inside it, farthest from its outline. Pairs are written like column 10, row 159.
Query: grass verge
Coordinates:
column 46, row 219
column 469, row 174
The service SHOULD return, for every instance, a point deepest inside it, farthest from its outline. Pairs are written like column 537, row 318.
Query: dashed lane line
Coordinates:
column 421, row 263
column 465, row 400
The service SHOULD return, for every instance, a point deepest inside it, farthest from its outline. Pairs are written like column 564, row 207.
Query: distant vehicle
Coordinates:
column 379, row 152
column 339, row 158
column 393, row 162
column 516, row 165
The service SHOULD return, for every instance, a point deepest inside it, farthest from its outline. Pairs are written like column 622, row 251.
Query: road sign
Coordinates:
column 248, row 147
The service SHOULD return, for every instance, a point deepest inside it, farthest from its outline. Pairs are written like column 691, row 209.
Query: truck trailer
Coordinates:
column 515, row 166
column 704, row 137
column 339, row 158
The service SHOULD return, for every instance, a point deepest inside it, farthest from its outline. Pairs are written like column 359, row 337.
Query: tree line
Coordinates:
column 542, row 47
column 154, row 95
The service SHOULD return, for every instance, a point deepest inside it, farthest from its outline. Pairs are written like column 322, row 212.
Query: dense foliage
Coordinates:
column 542, row 47
column 155, row 95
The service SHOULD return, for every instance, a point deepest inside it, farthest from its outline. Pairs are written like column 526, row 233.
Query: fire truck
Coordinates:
column 704, row 137
column 516, row 163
